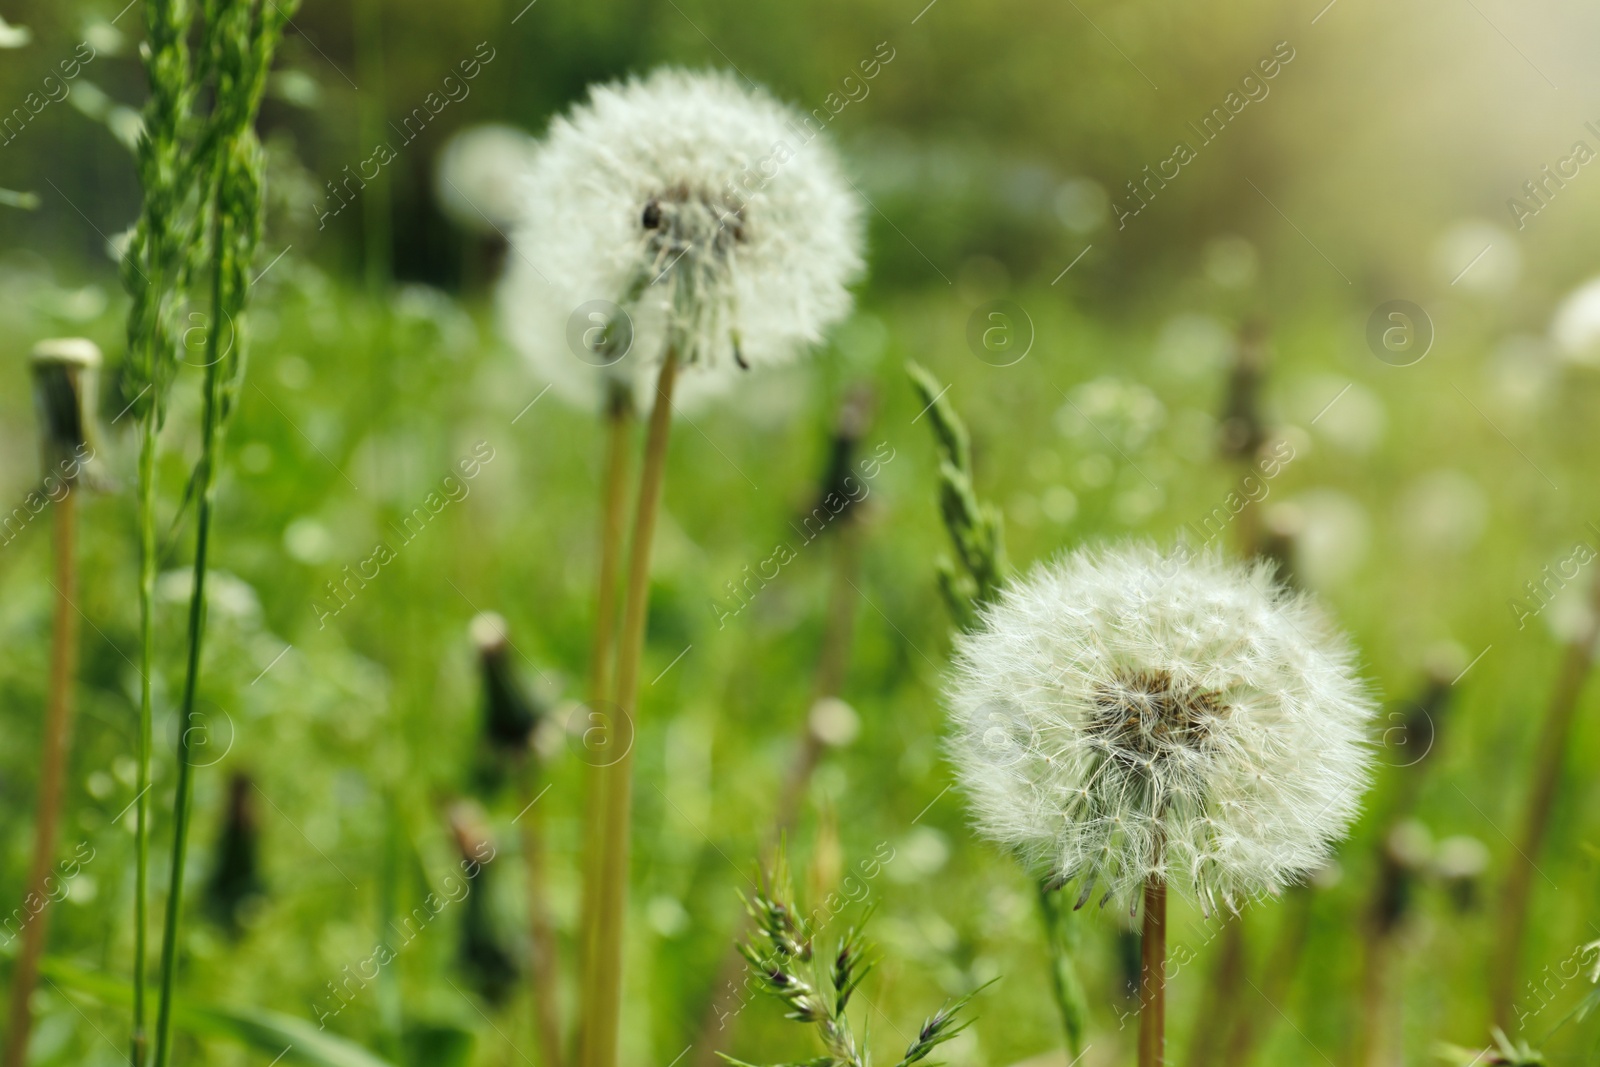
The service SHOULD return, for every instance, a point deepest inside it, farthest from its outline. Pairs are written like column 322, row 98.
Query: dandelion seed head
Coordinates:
column 1123, row 712
column 705, row 210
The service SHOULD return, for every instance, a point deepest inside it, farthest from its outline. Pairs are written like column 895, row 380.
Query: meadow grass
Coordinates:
column 357, row 409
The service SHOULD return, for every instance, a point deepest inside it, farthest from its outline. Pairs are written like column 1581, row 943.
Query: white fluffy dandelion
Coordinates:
column 1126, row 716
column 479, row 175
column 704, row 210
column 1576, row 326
column 679, row 222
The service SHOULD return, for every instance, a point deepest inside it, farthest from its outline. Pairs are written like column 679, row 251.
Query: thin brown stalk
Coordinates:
column 57, row 730
column 1547, row 761
column 603, row 1010
column 1375, row 1009
column 1153, row 975
column 613, row 515
column 543, row 969
column 832, row 663
column 1382, row 948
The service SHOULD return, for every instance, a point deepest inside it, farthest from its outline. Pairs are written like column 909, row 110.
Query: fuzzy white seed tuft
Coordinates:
column 705, row 210
column 1122, row 713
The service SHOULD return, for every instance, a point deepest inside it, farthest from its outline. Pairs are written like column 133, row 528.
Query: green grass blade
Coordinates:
column 270, row 1033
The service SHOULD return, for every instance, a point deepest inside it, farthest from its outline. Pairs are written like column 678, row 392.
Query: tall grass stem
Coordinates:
column 543, row 971
column 1546, row 778
column 149, row 432
column 183, row 800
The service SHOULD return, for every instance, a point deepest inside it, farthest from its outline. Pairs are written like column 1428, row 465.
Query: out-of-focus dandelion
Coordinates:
column 1576, row 326
column 479, row 176
column 235, row 881
column 512, row 718
column 1476, row 256
column 1459, row 862
column 1134, row 719
column 684, row 200
column 64, row 393
column 482, row 949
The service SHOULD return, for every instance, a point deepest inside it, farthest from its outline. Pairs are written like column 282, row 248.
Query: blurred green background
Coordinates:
column 995, row 149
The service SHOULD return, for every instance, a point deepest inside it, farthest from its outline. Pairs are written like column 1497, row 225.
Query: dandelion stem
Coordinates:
column 57, row 728
column 1153, row 975
column 619, row 419
column 183, row 800
column 1547, row 762
column 542, row 971
column 604, row 1010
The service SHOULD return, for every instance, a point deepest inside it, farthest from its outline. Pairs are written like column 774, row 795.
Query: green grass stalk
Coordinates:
column 1549, row 756
column 543, row 969
column 151, row 274
column 148, row 433
column 376, row 226
column 227, row 162
column 183, row 802
column 977, row 534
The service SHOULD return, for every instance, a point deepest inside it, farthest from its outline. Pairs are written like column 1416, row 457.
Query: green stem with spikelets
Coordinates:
column 150, row 273
column 817, row 990
column 977, row 534
column 226, row 164
column 183, row 801
column 974, row 527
